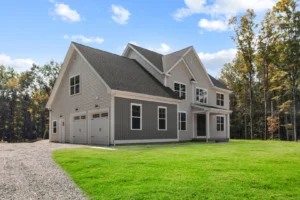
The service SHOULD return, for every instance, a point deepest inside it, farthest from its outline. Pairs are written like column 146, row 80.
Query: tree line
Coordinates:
column 23, row 97
column 265, row 74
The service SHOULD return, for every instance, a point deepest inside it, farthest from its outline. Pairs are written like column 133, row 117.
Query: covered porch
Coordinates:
column 210, row 123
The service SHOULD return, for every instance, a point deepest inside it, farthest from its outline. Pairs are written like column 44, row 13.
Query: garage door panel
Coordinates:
column 79, row 129
column 99, row 126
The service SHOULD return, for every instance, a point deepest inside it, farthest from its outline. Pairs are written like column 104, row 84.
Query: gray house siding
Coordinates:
column 149, row 121
column 92, row 92
column 133, row 55
column 182, row 75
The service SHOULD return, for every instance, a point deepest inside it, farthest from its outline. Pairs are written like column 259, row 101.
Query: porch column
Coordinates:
column 228, row 125
column 207, row 126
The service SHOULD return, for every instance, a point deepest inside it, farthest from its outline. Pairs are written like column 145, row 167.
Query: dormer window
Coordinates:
column 201, row 95
column 75, row 85
column 180, row 90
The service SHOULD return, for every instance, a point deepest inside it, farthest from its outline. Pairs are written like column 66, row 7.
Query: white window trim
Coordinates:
column 141, row 117
column 220, row 99
column 74, row 85
column 179, row 120
column 223, row 116
column 199, row 98
column 179, row 89
column 53, row 126
column 166, row 118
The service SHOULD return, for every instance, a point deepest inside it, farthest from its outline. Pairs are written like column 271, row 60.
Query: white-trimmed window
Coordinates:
column 220, row 123
column 220, row 99
column 201, row 95
column 182, row 121
column 162, row 118
column 180, row 90
column 75, row 85
column 136, row 116
column 54, row 127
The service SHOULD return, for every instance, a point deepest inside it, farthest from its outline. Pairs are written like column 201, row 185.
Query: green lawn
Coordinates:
column 236, row 170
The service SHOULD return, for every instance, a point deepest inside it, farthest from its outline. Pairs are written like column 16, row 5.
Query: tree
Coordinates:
column 288, row 19
column 245, row 40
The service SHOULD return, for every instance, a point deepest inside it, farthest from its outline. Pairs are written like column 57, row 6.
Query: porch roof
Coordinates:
column 196, row 108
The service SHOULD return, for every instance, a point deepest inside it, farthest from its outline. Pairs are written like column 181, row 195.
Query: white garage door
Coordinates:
column 79, row 129
column 99, row 129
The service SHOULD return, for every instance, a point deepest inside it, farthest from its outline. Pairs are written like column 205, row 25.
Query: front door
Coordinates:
column 62, row 131
column 201, row 125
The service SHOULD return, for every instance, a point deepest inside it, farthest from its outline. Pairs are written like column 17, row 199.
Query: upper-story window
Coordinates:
column 75, row 85
column 220, row 99
column 180, row 89
column 201, row 95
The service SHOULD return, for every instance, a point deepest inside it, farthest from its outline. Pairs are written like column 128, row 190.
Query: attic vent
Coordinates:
column 74, row 56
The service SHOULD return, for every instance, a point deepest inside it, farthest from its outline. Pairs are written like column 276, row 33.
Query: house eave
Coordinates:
column 144, row 97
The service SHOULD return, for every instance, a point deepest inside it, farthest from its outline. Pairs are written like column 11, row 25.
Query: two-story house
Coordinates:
column 102, row 98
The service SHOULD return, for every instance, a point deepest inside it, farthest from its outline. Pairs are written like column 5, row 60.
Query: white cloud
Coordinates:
column 121, row 15
column 66, row 13
column 221, row 7
column 213, row 25
column 19, row 64
column 163, row 48
column 215, row 61
column 84, row 39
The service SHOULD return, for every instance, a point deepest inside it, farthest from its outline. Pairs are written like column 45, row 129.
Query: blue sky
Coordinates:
column 41, row 30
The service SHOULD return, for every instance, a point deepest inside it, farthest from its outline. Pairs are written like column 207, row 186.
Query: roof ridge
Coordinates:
column 146, row 49
column 179, row 50
column 101, row 50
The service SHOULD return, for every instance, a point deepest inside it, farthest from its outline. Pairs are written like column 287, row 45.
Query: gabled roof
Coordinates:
column 153, row 57
column 170, row 59
column 165, row 62
column 122, row 73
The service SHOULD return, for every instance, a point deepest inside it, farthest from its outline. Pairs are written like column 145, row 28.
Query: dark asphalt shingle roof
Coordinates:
column 151, row 56
column 121, row 73
column 157, row 60
column 217, row 83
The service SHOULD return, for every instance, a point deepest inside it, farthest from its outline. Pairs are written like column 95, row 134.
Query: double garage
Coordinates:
column 90, row 127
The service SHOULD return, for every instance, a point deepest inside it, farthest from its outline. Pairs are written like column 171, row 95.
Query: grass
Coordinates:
column 236, row 170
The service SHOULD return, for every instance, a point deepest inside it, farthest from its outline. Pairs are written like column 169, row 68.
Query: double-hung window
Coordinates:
column 220, row 123
column 54, row 127
column 182, row 121
column 201, row 95
column 136, row 116
column 162, row 118
column 220, row 99
column 75, row 85
column 180, row 90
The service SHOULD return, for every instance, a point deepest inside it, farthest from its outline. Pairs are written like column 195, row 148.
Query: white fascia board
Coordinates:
column 60, row 76
column 215, row 110
column 223, row 90
column 144, row 97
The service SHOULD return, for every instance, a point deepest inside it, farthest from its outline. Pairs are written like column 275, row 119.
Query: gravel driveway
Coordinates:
column 27, row 171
